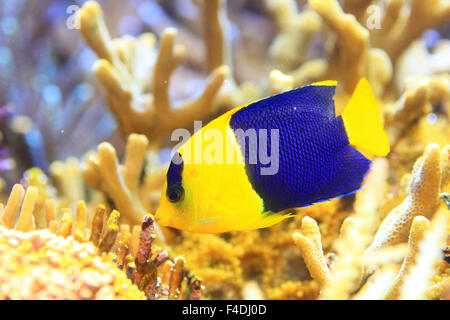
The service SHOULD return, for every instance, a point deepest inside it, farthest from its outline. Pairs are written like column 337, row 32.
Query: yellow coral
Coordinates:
column 216, row 261
column 419, row 226
column 66, row 269
column 423, row 199
column 102, row 171
column 309, row 242
column 417, row 281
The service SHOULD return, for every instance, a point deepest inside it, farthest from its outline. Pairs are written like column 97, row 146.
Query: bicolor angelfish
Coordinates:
column 319, row 157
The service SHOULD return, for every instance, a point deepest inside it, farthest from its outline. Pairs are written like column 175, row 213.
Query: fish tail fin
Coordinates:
column 363, row 123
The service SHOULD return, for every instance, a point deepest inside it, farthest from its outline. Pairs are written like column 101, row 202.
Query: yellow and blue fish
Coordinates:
column 315, row 153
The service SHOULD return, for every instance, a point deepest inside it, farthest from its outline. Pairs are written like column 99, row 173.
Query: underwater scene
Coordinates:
column 225, row 150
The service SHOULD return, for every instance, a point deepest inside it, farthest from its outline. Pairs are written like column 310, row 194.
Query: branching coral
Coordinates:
column 296, row 29
column 414, row 278
column 215, row 27
column 427, row 63
column 418, row 99
column 352, row 52
column 66, row 268
column 395, row 24
column 423, row 199
column 68, row 179
column 412, row 281
column 119, row 182
column 398, row 29
column 139, row 106
column 419, row 226
column 309, row 242
column 419, row 277
column 349, row 56
column 368, row 42
column 14, row 204
column 99, row 248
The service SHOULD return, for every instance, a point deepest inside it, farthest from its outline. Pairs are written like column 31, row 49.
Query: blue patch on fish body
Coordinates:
column 175, row 170
column 316, row 162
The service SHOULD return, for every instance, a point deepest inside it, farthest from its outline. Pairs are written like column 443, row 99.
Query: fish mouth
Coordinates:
column 157, row 216
column 159, row 219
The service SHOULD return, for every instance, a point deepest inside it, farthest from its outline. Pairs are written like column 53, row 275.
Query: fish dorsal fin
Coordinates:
column 317, row 98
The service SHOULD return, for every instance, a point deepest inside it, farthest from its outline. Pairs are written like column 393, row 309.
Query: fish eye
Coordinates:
column 175, row 193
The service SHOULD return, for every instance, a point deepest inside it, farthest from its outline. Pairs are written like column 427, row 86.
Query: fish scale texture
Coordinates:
column 315, row 161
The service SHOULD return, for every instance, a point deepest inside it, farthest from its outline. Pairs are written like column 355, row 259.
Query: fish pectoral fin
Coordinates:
column 268, row 218
column 206, row 221
column 286, row 212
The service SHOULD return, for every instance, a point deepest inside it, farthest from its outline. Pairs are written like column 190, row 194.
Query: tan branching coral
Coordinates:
column 378, row 285
column 419, row 226
column 397, row 30
column 309, row 242
column 20, row 204
column 139, row 106
column 103, row 172
column 146, row 265
column 214, row 27
column 445, row 164
column 418, row 99
column 67, row 269
column 68, row 179
column 426, row 63
column 368, row 39
column 349, row 54
column 352, row 57
column 289, row 49
column 395, row 24
column 423, row 200
column 412, row 281
column 280, row 82
column 418, row 279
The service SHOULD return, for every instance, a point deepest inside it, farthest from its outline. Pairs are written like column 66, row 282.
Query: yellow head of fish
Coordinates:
column 207, row 189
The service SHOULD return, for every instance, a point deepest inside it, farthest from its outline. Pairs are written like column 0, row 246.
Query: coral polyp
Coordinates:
column 41, row 265
column 96, row 98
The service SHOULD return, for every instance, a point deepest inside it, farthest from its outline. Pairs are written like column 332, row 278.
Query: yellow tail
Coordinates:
column 363, row 123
